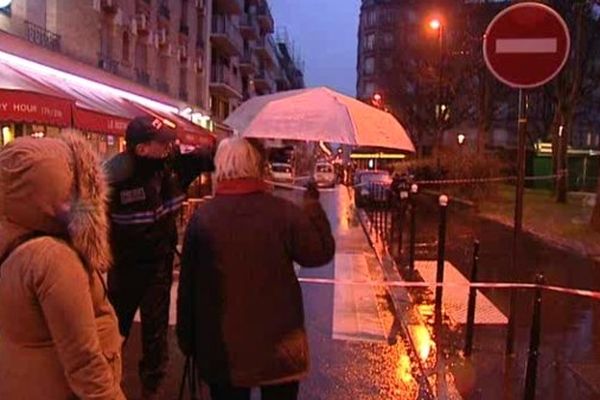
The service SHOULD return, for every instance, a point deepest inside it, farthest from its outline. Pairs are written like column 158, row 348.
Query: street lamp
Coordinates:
column 437, row 25
column 461, row 139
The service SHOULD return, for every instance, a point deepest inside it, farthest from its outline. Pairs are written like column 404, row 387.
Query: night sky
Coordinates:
column 325, row 32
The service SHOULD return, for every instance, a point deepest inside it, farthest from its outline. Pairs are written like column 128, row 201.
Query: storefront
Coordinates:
column 43, row 100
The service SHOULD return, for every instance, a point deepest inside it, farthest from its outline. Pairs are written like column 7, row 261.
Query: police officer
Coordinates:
column 148, row 183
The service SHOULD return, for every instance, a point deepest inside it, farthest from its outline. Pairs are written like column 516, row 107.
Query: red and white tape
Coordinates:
column 478, row 285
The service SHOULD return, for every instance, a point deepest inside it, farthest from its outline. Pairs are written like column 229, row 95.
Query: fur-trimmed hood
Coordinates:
column 38, row 177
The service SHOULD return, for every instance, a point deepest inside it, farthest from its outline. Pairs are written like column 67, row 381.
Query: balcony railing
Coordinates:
column 142, row 76
column 266, row 46
column 265, row 17
column 223, row 27
column 249, row 26
column 222, row 75
column 42, row 37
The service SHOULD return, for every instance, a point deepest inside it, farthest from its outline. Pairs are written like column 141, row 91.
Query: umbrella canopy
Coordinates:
column 318, row 114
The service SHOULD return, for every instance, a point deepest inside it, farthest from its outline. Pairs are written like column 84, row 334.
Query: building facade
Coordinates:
column 198, row 57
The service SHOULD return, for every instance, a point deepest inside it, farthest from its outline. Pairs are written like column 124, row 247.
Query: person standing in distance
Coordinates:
column 148, row 183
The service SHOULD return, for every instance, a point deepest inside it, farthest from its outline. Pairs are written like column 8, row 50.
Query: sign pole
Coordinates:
column 518, row 221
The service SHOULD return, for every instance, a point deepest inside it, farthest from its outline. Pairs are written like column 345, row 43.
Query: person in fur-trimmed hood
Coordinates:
column 59, row 336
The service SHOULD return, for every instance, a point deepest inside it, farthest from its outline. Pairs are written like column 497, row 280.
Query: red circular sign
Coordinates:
column 526, row 45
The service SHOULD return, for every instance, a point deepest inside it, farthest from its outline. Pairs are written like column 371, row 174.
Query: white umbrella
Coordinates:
column 318, row 114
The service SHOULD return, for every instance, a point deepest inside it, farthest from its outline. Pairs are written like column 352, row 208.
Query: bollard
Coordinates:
column 534, row 340
column 472, row 300
column 384, row 206
column 414, row 189
column 401, row 217
column 443, row 202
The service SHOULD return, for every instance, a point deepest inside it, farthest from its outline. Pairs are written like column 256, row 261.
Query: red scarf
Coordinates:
column 241, row 186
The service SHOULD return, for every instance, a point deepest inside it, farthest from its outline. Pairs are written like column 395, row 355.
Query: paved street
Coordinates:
column 347, row 325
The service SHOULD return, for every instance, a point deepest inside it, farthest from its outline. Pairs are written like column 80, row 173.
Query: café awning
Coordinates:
column 22, row 99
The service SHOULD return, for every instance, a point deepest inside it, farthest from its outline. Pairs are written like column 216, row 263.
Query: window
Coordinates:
column 388, row 40
column 126, row 47
column 369, row 65
column 388, row 63
column 369, row 89
column 370, row 42
column 372, row 18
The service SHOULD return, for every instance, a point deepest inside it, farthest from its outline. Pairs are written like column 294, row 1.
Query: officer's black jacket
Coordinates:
column 145, row 198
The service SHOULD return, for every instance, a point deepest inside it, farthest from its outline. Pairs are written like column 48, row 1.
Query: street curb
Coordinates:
column 403, row 303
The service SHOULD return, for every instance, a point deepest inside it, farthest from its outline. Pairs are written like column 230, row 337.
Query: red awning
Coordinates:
column 94, row 111
column 187, row 132
column 24, row 100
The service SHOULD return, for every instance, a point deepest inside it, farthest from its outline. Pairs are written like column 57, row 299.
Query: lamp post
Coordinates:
column 436, row 24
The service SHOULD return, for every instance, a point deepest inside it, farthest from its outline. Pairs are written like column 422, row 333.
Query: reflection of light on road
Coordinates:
column 403, row 370
column 423, row 341
column 344, row 210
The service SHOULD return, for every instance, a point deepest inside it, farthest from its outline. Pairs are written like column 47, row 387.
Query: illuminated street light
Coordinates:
column 461, row 138
column 377, row 97
column 435, row 24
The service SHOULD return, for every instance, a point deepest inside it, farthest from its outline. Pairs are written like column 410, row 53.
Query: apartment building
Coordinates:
column 243, row 53
column 194, row 59
column 161, row 44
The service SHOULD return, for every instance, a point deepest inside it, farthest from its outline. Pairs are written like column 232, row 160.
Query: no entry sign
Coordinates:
column 526, row 45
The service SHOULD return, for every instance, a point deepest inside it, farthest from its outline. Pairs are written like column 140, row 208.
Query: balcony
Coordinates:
column 263, row 81
column 108, row 64
column 42, row 37
column 282, row 80
column 223, row 82
column 229, row 6
column 249, row 27
column 265, row 49
column 142, row 77
column 226, row 36
column 265, row 18
column 248, row 63
column 109, row 6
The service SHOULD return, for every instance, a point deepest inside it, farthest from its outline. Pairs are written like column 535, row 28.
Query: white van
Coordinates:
column 282, row 172
column 324, row 174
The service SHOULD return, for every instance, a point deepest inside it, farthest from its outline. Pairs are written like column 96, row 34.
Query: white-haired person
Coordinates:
column 240, row 312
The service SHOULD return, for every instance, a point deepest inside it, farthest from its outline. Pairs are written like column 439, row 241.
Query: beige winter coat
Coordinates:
column 58, row 333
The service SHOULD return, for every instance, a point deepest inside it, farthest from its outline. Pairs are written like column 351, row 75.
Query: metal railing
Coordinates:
column 267, row 44
column 42, row 37
column 223, row 75
column 222, row 25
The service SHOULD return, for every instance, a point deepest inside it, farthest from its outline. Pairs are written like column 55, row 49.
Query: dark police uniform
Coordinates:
column 146, row 196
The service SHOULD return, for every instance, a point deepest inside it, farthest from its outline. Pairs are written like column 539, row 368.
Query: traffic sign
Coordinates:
column 526, row 45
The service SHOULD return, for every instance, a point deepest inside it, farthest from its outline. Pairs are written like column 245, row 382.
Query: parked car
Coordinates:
column 324, row 174
column 282, row 172
column 371, row 187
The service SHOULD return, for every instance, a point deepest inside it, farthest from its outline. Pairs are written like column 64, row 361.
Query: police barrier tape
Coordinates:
column 478, row 285
column 486, row 180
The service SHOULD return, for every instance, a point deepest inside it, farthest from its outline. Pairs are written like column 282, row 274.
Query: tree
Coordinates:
column 575, row 83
